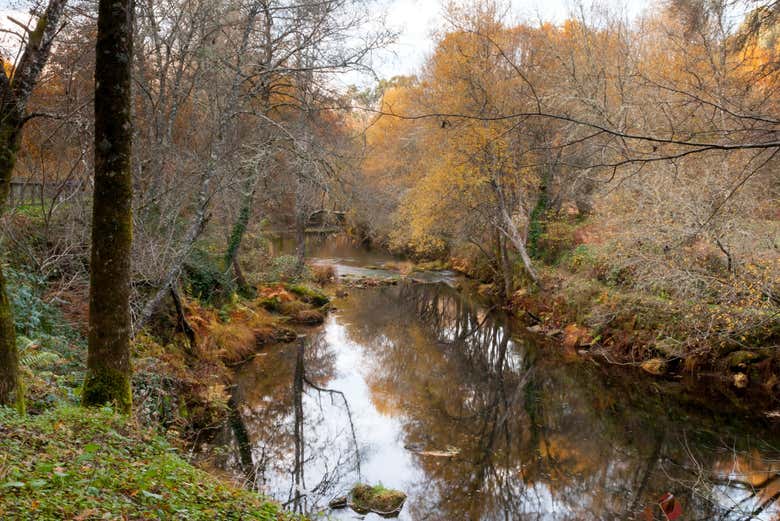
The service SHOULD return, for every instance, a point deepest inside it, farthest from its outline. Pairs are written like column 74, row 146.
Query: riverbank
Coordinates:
column 75, row 463
column 62, row 461
column 592, row 309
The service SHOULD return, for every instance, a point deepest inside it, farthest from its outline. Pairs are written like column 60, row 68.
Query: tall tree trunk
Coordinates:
column 238, row 232
column 301, row 220
column 108, row 365
column 15, row 92
column 10, row 390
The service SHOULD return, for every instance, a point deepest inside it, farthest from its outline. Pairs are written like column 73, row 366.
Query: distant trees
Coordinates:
column 109, row 372
column 17, row 81
column 664, row 133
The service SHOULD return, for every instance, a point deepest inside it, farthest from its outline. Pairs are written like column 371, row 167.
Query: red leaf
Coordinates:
column 670, row 506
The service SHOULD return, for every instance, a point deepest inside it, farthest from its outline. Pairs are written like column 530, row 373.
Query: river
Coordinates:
column 475, row 419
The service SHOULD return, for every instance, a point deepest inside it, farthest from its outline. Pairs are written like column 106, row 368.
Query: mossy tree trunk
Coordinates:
column 10, row 390
column 15, row 92
column 108, row 364
column 237, row 235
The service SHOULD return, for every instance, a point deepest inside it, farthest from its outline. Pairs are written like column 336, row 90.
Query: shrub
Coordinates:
column 285, row 269
column 578, row 259
column 207, row 280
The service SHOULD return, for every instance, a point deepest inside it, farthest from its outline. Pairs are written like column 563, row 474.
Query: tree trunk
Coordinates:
column 507, row 226
column 237, row 234
column 10, row 390
column 300, row 243
column 510, row 230
column 506, row 267
column 15, row 92
column 108, row 364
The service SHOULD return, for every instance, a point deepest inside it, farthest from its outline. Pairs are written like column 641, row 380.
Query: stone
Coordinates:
column 740, row 380
column 654, row 366
column 740, row 359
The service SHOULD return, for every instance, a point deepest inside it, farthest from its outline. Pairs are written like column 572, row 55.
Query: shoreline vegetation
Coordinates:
column 590, row 315
column 607, row 185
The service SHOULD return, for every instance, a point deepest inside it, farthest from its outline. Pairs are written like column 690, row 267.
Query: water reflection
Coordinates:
column 476, row 424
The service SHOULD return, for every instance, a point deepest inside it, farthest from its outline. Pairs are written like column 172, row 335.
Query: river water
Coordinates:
column 477, row 420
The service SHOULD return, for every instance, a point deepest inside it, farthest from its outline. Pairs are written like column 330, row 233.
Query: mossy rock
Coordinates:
column 655, row 366
column 285, row 335
column 307, row 294
column 377, row 499
column 740, row 359
column 309, row 317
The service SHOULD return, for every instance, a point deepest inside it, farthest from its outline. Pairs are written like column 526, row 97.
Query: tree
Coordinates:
column 16, row 86
column 108, row 365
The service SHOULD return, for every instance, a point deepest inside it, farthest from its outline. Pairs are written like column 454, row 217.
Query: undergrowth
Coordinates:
column 75, row 463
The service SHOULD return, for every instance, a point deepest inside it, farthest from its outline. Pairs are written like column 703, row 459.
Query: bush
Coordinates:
column 579, row 258
column 556, row 240
column 285, row 269
column 31, row 314
column 207, row 281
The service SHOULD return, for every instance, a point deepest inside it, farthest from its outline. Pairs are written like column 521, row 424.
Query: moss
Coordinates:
column 71, row 463
column 307, row 294
column 378, row 499
column 108, row 386
column 740, row 359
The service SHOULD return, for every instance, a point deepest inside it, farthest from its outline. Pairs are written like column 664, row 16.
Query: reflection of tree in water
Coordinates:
column 301, row 449
column 540, row 438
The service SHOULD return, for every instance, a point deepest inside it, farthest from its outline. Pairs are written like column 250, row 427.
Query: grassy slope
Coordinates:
column 72, row 463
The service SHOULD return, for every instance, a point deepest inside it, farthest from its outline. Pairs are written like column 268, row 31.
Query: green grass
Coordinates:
column 74, row 463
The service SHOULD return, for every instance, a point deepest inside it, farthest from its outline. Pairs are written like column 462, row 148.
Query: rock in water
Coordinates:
column 386, row 502
column 654, row 366
column 740, row 380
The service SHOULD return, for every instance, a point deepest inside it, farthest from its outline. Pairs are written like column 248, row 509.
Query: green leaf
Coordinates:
column 37, row 483
column 91, row 448
column 13, row 484
column 151, row 494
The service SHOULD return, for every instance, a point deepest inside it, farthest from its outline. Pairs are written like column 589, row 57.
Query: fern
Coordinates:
column 32, row 357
